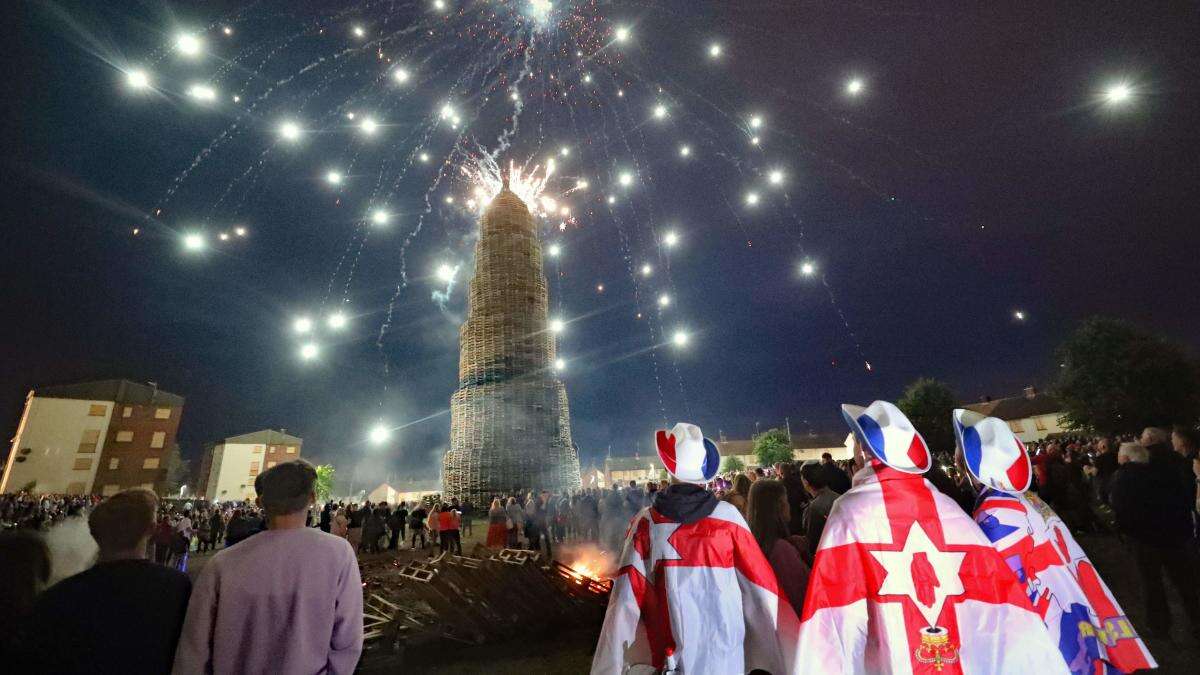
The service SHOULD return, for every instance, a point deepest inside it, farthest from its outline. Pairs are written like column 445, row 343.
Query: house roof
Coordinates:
column 117, row 391
column 805, row 442
column 629, row 463
column 266, row 436
column 1018, row 407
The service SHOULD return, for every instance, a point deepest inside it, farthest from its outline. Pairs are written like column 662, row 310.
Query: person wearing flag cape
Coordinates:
column 1079, row 612
column 694, row 593
column 904, row 581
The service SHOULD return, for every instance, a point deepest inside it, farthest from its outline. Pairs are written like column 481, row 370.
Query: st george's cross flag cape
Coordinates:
column 1082, row 616
column 701, row 592
column 905, row 582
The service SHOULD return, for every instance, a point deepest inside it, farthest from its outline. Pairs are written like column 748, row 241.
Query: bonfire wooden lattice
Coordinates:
column 475, row 599
column 510, row 424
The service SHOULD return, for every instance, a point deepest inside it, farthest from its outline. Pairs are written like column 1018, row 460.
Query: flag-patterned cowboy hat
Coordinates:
column 888, row 435
column 992, row 452
column 687, row 454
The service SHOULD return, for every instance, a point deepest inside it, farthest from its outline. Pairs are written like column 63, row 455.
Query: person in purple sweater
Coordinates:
column 287, row 600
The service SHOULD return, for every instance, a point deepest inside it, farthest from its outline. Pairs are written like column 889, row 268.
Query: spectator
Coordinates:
column 340, row 526
column 356, row 517
column 434, row 524
column 1106, row 466
column 372, row 530
column 515, row 523
column 416, row 524
column 497, row 534
column 768, row 513
column 789, row 474
column 449, row 526
column 326, row 522
column 24, row 571
column 813, row 477
column 121, row 616
column 396, row 520
column 835, row 478
column 467, row 509
column 1186, row 442
column 288, row 600
column 1154, row 511
column 741, row 490
column 1158, row 444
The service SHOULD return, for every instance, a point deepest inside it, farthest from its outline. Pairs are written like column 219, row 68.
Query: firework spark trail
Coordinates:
column 627, row 251
column 416, row 231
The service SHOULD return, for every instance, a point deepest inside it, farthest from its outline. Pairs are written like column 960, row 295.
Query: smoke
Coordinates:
column 72, row 549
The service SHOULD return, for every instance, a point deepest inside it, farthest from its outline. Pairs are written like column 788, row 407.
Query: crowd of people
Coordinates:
column 1144, row 490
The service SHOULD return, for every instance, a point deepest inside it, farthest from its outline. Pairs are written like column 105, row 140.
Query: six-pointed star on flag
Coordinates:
column 921, row 572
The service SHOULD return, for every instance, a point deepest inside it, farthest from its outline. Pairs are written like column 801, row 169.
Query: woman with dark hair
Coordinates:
column 767, row 513
column 24, row 571
column 738, row 495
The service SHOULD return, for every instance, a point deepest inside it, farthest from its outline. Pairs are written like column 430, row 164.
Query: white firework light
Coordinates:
column 394, row 128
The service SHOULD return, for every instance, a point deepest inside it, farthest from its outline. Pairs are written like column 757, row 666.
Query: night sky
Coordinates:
column 979, row 171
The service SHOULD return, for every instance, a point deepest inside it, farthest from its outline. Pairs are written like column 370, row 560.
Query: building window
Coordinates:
column 114, row 464
column 270, row 464
column 1016, row 426
column 127, row 412
column 253, row 468
column 150, row 463
column 159, row 438
column 91, row 438
column 257, row 450
column 110, row 490
column 75, row 488
column 97, row 410
column 124, row 436
column 147, row 486
column 291, row 449
column 1040, row 423
column 82, row 463
column 162, row 413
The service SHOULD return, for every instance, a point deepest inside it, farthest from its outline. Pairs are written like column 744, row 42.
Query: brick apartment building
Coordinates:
column 228, row 469
column 93, row 437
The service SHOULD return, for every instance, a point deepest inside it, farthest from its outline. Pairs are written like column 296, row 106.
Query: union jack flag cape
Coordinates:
column 905, row 582
column 1082, row 616
column 701, row 592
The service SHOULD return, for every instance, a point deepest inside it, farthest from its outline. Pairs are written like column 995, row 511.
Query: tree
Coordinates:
column 929, row 404
column 733, row 463
column 771, row 446
column 176, row 473
column 324, row 486
column 1117, row 378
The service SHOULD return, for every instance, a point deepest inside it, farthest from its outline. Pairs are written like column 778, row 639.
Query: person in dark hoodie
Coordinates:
column 694, row 592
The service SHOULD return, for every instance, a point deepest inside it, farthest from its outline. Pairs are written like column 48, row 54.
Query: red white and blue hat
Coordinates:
column 886, row 432
column 992, row 452
column 687, row 454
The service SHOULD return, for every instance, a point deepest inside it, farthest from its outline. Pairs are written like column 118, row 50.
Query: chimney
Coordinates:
column 1031, row 391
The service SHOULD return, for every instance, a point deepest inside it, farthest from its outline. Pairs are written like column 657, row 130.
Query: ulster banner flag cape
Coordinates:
column 905, row 582
column 702, row 592
column 1080, row 613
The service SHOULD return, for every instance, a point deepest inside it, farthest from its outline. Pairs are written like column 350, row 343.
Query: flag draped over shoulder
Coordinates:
column 905, row 582
column 702, row 592
column 1082, row 616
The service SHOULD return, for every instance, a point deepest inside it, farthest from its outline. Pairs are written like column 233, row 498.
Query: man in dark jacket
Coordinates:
column 121, row 616
column 1154, row 511
column 835, row 477
column 326, row 517
column 395, row 523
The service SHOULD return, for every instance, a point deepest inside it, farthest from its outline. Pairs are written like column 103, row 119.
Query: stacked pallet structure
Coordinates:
column 486, row 597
